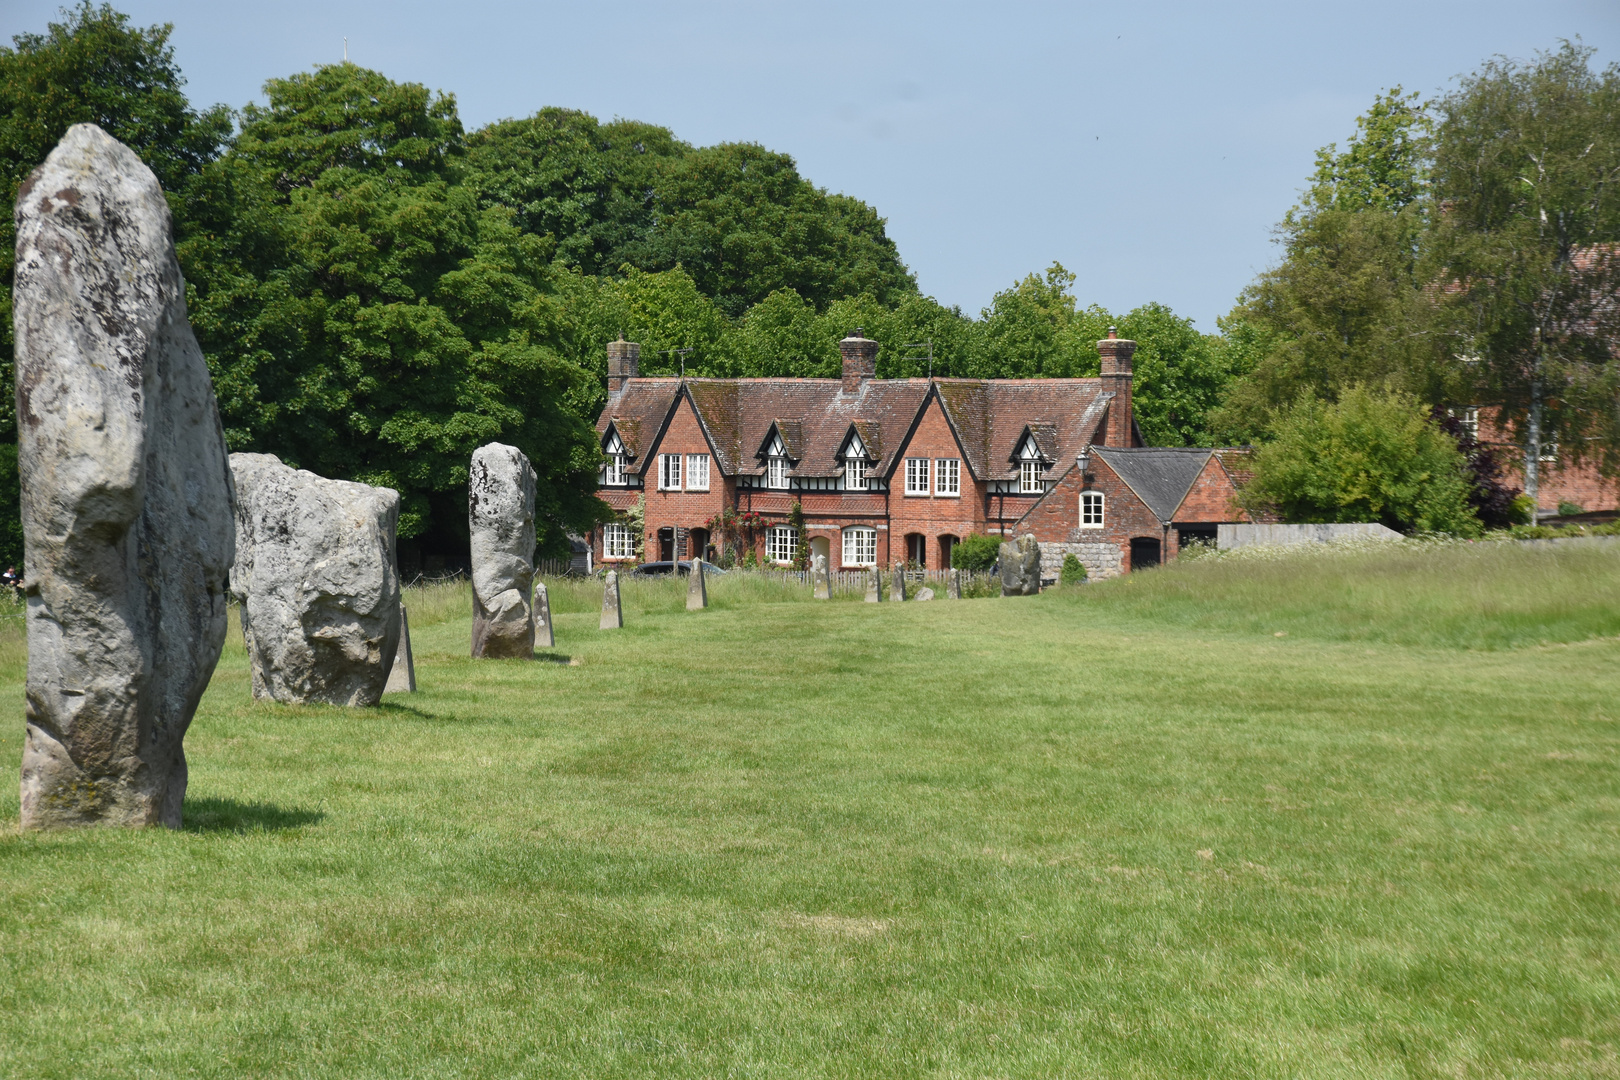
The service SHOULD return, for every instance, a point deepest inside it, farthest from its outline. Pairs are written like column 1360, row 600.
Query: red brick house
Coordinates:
column 1559, row 479
column 883, row 469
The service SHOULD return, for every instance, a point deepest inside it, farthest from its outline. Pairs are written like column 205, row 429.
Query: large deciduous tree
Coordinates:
column 1527, row 180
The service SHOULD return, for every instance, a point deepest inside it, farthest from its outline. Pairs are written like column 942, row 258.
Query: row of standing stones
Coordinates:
column 138, row 527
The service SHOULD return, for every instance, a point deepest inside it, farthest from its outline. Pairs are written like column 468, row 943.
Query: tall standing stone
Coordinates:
column 953, row 587
column 1021, row 567
column 402, row 676
column 544, row 636
column 500, row 516
column 315, row 576
column 874, row 586
column 126, row 494
column 612, row 614
column 697, row 588
column 897, row 582
column 820, row 578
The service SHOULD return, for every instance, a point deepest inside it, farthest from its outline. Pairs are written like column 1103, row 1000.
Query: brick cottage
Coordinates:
column 886, row 470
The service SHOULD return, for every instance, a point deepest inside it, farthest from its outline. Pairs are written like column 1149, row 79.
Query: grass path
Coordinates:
column 1039, row 837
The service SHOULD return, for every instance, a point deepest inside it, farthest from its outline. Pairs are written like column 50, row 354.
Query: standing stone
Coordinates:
column 924, row 593
column 402, row 676
column 544, row 636
column 953, row 587
column 897, row 582
column 612, row 613
column 1021, row 567
column 874, row 587
column 697, row 589
column 315, row 576
column 126, row 494
column 500, row 515
column 820, row 578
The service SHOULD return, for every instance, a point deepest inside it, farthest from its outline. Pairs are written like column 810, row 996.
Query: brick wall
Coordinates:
column 1055, row 519
column 933, row 516
column 1212, row 497
column 1559, row 481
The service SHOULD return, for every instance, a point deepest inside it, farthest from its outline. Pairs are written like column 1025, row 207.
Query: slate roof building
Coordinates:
column 885, row 470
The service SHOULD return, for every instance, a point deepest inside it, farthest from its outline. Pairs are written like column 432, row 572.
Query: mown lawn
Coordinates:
column 1121, row 831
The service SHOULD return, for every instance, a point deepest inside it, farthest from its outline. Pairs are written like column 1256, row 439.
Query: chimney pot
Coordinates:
column 1116, row 353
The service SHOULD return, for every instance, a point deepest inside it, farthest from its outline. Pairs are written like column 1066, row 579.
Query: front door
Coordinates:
column 916, row 549
column 666, row 545
column 819, row 545
column 946, row 543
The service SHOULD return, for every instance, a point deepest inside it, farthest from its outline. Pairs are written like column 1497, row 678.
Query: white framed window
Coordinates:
column 860, row 547
column 855, row 474
column 617, row 543
column 1091, row 510
column 669, row 472
column 613, row 471
column 776, row 468
column 947, row 476
column 916, row 476
column 1549, row 452
column 781, row 543
column 1029, row 478
column 1468, row 420
column 697, row 472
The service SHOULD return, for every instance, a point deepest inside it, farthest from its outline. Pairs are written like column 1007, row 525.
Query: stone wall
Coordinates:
column 1101, row 560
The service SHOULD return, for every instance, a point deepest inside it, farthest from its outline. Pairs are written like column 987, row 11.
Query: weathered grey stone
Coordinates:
column 697, row 589
column 953, row 587
column 874, row 587
column 126, row 494
column 924, row 593
column 897, row 582
column 612, row 613
column 820, row 578
column 544, row 636
column 402, row 676
column 1021, row 567
column 500, row 515
column 315, row 576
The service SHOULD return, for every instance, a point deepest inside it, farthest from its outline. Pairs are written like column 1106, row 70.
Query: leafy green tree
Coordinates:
column 365, row 318
column 1526, row 167
column 1352, row 299
column 1035, row 330
column 92, row 67
column 1370, row 456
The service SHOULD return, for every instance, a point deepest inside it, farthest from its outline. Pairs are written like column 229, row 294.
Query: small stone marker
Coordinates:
column 126, row 494
column 544, row 636
column 315, row 576
column 874, row 587
column 924, row 593
column 953, row 587
column 402, row 676
column 1021, row 567
column 897, row 582
column 820, row 578
column 500, row 516
column 697, row 588
column 612, row 614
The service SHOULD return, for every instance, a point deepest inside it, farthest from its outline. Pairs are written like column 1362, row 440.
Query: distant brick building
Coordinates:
column 892, row 469
column 1560, row 480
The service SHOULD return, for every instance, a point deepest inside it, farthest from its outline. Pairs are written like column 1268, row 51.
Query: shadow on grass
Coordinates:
column 230, row 815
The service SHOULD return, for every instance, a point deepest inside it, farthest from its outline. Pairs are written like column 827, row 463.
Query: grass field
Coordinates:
column 1323, row 816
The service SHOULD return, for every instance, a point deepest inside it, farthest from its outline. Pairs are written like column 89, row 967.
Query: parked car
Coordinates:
column 653, row 569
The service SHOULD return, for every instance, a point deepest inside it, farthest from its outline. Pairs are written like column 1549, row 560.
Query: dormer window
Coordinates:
column 855, row 463
column 776, row 465
column 1029, row 478
column 613, row 469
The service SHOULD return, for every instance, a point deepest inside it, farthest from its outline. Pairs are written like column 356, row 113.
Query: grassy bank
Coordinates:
column 1122, row 830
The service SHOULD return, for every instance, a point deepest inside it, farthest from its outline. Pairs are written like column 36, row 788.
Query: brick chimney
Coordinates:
column 860, row 359
column 624, row 363
column 1116, row 378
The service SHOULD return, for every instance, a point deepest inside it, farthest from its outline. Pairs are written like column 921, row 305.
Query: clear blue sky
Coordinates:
column 1148, row 147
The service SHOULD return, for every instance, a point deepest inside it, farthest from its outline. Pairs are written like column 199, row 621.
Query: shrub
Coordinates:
column 1524, row 510
column 1073, row 572
column 1569, row 509
column 976, row 552
column 1370, row 456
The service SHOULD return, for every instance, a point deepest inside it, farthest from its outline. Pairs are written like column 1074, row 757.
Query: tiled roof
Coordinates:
column 1160, row 476
column 814, row 416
